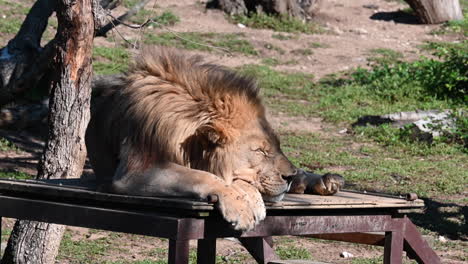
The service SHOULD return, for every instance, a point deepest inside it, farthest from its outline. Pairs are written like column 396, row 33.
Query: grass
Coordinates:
column 10, row 24
column 281, row 36
column 316, row 45
column 276, row 62
column 166, row 18
column 438, row 46
column 110, row 60
column 199, row 41
column 292, row 252
column 6, row 145
column 277, row 23
column 83, row 251
column 376, row 167
column 17, row 175
column 384, row 56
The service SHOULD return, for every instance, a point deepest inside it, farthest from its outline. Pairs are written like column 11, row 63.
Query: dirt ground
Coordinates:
column 353, row 29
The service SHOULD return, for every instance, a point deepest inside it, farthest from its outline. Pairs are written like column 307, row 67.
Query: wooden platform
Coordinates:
column 85, row 191
column 348, row 216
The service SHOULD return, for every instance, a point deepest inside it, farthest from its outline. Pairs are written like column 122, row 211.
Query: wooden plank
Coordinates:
column 79, row 191
column 45, row 190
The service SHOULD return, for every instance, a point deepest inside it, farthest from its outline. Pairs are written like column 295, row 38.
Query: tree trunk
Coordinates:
column 436, row 11
column 65, row 152
column 302, row 9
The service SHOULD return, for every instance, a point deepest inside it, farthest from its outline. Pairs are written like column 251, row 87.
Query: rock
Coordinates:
column 345, row 254
column 442, row 239
column 360, row 31
column 241, row 25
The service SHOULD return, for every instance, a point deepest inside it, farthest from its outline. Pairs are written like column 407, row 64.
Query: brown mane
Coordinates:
column 181, row 109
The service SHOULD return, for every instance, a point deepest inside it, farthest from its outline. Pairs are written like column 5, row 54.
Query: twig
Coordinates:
column 117, row 21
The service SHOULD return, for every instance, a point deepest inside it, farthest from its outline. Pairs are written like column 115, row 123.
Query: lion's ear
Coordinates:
column 213, row 134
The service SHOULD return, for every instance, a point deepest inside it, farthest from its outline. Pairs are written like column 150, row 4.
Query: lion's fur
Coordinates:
column 178, row 108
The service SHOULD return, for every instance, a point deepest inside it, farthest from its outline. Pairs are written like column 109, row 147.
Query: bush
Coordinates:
column 446, row 78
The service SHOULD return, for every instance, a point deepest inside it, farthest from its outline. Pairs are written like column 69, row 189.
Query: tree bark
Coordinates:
column 302, row 9
column 65, row 152
column 436, row 11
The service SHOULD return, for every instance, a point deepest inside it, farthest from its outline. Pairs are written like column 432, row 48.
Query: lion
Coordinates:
column 174, row 125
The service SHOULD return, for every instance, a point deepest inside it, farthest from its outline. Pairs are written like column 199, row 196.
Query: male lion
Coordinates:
column 176, row 126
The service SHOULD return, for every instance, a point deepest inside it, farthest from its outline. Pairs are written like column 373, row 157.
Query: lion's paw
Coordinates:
column 253, row 198
column 238, row 208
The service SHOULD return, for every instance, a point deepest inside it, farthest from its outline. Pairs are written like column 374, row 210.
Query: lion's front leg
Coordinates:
column 170, row 179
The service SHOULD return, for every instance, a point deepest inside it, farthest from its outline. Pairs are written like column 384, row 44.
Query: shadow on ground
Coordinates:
column 397, row 16
column 445, row 219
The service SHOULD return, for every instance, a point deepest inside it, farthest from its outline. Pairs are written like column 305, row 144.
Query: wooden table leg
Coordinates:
column 178, row 251
column 393, row 249
column 418, row 248
column 206, row 251
column 261, row 248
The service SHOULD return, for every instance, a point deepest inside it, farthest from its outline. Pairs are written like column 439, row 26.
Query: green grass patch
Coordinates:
column 282, row 36
column 166, row 18
column 316, row 45
column 292, row 252
column 277, row 23
column 110, row 60
column 385, row 56
column 276, row 62
column 17, row 175
column 443, row 47
column 441, row 169
column 6, row 145
column 5, row 234
column 198, row 41
column 10, row 25
column 83, row 251
column 377, row 260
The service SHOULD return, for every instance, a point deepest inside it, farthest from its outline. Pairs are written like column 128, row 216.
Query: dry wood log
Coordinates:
column 436, row 11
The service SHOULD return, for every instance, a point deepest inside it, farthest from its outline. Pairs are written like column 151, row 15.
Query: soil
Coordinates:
column 353, row 29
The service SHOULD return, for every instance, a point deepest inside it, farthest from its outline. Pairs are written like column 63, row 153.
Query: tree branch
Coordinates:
column 117, row 21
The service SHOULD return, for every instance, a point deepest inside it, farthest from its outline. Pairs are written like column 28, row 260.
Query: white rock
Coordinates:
column 442, row 239
column 343, row 131
column 241, row 25
column 345, row 254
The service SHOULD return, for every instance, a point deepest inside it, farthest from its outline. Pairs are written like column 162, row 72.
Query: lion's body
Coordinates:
column 173, row 125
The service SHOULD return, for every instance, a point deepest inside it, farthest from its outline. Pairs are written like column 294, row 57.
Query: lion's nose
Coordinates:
column 289, row 178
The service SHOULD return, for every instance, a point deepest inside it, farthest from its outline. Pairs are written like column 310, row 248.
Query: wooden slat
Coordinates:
column 82, row 191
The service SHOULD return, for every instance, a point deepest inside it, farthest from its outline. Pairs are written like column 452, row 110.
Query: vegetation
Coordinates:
column 277, row 23
column 82, row 251
column 6, row 145
column 385, row 56
column 166, row 18
column 292, row 252
column 110, row 60
column 203, row 41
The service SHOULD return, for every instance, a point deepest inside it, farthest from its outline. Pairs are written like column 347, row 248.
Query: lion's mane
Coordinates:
column 180, row 109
